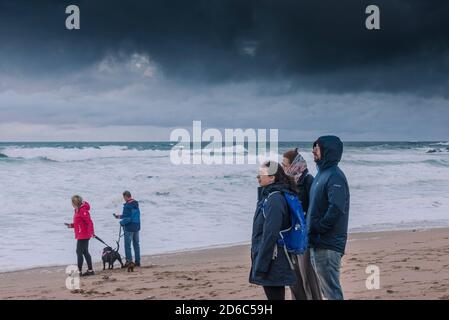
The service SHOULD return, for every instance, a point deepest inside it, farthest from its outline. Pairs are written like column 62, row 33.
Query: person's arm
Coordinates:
column 126, row 216
column 274, row 212
column 307, row 186
column 337, row 194
column 70, row 225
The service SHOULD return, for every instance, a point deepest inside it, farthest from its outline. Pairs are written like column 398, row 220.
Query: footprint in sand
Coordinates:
column 81, row 291
column 91, row 292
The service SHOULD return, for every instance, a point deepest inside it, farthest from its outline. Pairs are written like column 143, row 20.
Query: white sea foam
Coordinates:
column 444, row 143
column 79, row 154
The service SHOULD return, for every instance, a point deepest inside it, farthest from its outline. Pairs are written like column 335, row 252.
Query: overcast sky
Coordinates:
column 138, row 69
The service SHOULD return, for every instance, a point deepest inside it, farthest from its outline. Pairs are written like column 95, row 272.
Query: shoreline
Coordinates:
column 95, row 261
column 414, row 264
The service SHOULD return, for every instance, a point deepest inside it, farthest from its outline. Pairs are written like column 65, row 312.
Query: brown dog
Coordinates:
column 131, row 266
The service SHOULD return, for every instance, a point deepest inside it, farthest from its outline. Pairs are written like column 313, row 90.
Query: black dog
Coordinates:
column 110, row 255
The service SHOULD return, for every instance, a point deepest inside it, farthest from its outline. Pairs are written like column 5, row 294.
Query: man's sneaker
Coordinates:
column 88, row 273
column 126, row 265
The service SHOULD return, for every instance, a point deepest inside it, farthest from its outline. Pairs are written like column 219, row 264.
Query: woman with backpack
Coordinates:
column 306, row 286
column 270, row 264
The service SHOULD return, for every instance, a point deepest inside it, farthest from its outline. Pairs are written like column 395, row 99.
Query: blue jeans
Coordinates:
column 134, row 238
column 327, row 265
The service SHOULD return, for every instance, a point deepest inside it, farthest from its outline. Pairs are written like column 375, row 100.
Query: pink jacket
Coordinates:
column 82, row 223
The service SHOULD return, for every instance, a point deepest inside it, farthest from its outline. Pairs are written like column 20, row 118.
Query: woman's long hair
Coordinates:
column 280, row 176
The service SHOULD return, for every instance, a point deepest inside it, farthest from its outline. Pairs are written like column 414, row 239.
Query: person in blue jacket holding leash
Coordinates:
column 130, row 221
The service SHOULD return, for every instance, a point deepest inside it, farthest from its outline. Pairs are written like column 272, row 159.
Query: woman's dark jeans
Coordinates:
column 82, row 249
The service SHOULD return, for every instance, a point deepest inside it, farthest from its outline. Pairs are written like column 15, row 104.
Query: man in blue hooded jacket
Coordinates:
column 328, row 216
column 130, row 220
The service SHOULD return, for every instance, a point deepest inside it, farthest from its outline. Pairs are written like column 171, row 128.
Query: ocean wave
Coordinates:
column 3, row 156
column 237, row 149
column 60, row 154
column 44, row 159
column 373, row 163
column 434, row 150
column 443, row 143
column 437, row 162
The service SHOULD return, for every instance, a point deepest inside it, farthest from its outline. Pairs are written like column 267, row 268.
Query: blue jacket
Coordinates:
column 328, row 212
column 130, row 219
column 267, row 269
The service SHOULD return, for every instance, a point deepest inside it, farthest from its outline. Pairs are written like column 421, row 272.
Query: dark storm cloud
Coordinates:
column 318, row 44
column 136, row 69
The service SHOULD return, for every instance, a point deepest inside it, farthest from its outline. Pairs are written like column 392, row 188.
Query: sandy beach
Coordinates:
column 413, row 264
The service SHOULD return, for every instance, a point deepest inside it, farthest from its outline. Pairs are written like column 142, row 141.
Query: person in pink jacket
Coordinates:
column 84, row 231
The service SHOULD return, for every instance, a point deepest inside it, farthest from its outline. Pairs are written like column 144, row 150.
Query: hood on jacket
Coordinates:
column 133, row 204
column 85, row 206
column 331, row 151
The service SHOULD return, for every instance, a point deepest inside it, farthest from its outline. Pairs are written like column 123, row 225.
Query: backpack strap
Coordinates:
column 265, row 202
column 275, row 250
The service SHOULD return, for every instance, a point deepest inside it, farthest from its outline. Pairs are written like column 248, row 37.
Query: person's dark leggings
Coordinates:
column 274, row 293
column 82, row 249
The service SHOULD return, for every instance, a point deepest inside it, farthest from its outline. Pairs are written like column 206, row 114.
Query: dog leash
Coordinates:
column 120, row 234
column 96, row 237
